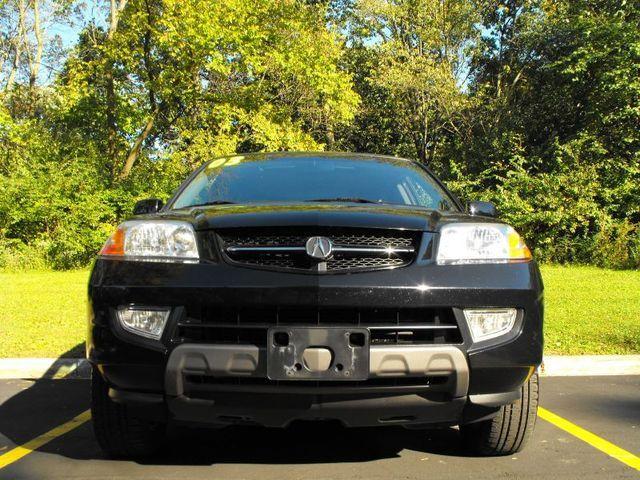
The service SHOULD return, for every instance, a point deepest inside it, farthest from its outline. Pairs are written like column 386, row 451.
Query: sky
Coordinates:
column 95, row 11
column 88, row 11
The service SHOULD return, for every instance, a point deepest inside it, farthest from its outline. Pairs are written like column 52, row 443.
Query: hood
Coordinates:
column 325, row 215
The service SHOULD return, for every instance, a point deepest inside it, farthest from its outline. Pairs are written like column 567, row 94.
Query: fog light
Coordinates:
column 489, row 323
column 145, row 321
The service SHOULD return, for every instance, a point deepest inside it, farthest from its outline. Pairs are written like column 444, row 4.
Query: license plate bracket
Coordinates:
column 349, row 348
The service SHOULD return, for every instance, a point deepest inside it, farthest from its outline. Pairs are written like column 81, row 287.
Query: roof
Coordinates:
column 344, row 155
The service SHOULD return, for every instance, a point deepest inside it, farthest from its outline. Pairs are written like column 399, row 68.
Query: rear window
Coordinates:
column 248, row 180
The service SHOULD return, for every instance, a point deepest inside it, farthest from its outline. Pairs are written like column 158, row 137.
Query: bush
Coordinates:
column 556, row 212
column 564, row 207
column 17, row 256
column 616, row 245
column 56, row 206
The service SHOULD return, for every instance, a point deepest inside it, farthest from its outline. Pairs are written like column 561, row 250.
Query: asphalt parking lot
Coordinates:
column 607, row 407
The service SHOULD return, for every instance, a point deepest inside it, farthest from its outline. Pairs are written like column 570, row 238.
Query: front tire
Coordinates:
column 119, row 433
column 509, row 431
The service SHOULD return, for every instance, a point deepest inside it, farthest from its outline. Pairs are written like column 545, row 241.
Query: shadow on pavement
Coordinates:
column 76, row 352
column 302, row 443
column 30, row 408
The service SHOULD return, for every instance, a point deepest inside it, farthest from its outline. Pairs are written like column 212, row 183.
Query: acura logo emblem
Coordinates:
column 319, row 248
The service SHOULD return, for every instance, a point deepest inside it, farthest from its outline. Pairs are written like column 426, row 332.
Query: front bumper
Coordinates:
column 437, row 394
column 434, row 384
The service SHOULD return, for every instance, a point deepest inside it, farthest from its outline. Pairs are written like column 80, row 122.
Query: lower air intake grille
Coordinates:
column 388, row 326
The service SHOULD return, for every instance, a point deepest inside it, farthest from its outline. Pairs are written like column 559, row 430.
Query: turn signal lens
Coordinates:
column 517, row 248
column 115, row 244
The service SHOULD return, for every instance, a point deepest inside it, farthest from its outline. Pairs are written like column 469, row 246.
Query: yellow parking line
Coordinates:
column 592, row 439
column 25, row 449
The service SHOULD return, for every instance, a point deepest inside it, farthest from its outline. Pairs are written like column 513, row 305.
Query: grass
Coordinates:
column 588, row 310
column 591, row 310
column 43, row 314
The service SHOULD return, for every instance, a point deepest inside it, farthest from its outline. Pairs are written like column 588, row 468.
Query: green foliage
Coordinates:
column 17, row 256
column 210, row 78
column 54, row 208
column 616, row 244
column 139, row 106
column 533, row 104
column 415, row 65
column 554, row 139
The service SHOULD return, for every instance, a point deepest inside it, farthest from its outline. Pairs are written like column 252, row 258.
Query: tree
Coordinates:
column 26, row 43
column 555, row 92
column 195, row 78
column 420, row 63
column 533, row 104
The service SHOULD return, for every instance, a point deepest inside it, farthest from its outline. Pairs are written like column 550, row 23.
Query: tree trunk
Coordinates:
column 331, row 138
column 137, row 145
column 421, row 150
column 37, row 28
column 112, row 133
column 111, row 100
column 115, row 10
column 17, row 46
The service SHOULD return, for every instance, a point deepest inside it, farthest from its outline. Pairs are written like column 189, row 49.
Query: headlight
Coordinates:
column 153, row 241
column 489, row 323
column 480, row 243
column 145, row 321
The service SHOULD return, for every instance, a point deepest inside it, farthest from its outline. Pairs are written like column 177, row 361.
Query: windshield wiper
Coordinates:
column 344, row 199
column 213, row 202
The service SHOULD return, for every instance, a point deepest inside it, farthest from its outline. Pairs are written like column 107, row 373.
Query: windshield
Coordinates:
column 248, row 180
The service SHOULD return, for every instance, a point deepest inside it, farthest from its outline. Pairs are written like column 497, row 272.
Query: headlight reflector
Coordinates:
column 145, row 321
column 153, row 240
column 480, row 243
column 486, row 323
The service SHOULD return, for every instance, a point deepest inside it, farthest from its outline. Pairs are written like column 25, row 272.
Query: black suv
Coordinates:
column 314, row 286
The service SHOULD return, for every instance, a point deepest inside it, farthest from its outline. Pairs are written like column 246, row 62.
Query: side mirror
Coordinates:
column 483, row 209
column 148, row 205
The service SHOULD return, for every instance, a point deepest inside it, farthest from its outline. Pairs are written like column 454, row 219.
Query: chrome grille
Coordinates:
column 362, row 240
column 377, row 240
column 240, row 240
column 364, row 262
column 354, row 249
